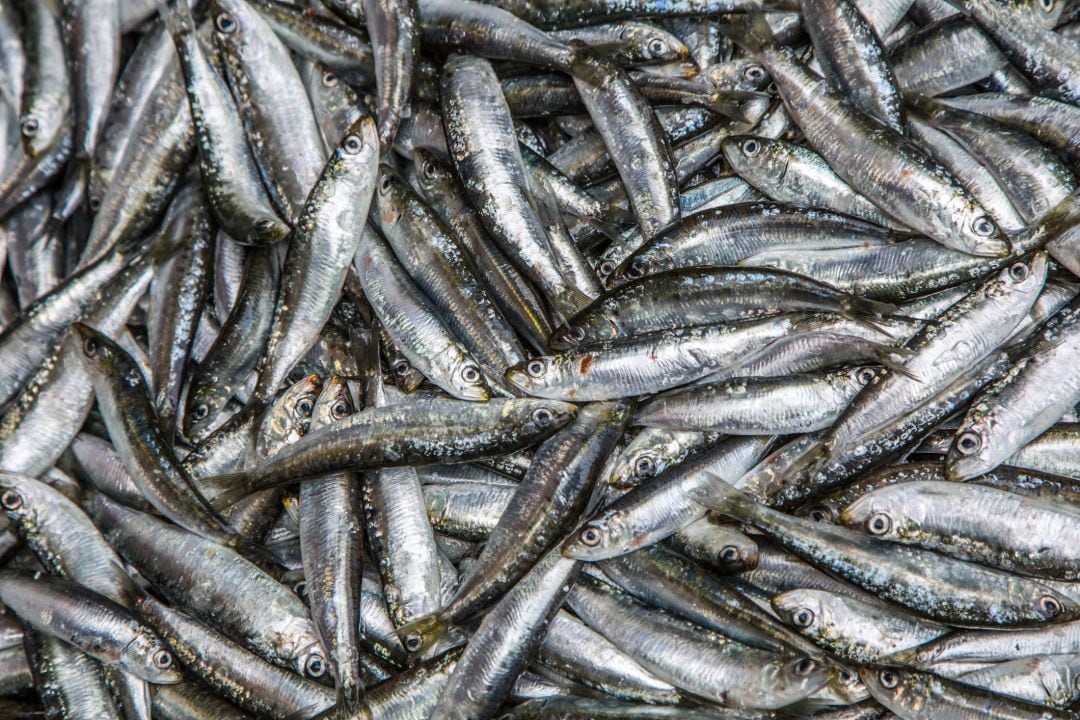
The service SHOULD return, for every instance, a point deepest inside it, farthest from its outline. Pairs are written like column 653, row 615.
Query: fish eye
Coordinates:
column 645, row 467
column 30, row 126
column 315, row 667
column 300, row 588
column 591, row 536
column 329, row 79
column 729, row 553
column 384, row 185
column 969, row 442
column 470, row 374
column 304, row 407
column 1019, row 272
column 754, row 73
column 95, row 203
column 401, row 366
column 352, row 144
column 635, row 271
column 543, row 417
column 163, row 659
column 577, row 334
column 889, row 679
column 225, row 23
column 865, row 375
column 983, row 226
column 413, row 642
column 201, row 411
column 802, row 618
column 340, row 409
column 536, row 368
column 430, row 169
column 751, row 147
column 820, row 513
column 1050, row 606
column 878, row 524
column 804, row 667
column 11, row 500
column 657, row 47
column 846, row 676
column 606, row 268
column 264, row 224
column 1046, row 5
column 90, row 347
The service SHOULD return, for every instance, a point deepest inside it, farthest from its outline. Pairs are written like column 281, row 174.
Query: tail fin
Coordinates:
column 234, row 487
column 176, row 14
column 736, row 104
column 883, row 354
column 585, row 66
column 751, row 32
column 854, row 312
column 720, row 496
column 422, row 633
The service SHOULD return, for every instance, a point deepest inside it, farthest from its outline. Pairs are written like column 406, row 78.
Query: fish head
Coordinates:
column 21, row 496
column 534, row 376
column 892, row 687
column 654, row 44
column 149, row 658
column 102, row 357
column 289, row 416
column 783, row 681
column 567, row 336
column 391, row 198
column 989, row 433
column 803, row 609
column 750, row 155
column 333, row 403
column 359, row 148
column 541, row 418
column 843, row 686
column 205, row 401
column 733, row 557
column 604, row 536
column 431, row 172
column 40, row 124
column 981, row 234
column 821, row 510
column 634, row 267
column 311, row 662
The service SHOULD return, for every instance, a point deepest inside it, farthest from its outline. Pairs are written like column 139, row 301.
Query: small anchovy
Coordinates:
column 561, row 359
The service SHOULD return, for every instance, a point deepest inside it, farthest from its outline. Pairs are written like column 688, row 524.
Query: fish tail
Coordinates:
column 732, row 104
column 809, row 462
column 573, row 299
column 235, row 487
column 856, row 314
column 176, row 14
column 349, row 696
column 884, row 356
column 422, row 633
column 586, row 66
column 720, row 496
column 751, row 32
column 605, row 227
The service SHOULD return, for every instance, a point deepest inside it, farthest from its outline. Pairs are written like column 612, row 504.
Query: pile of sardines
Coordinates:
column 539, row 359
